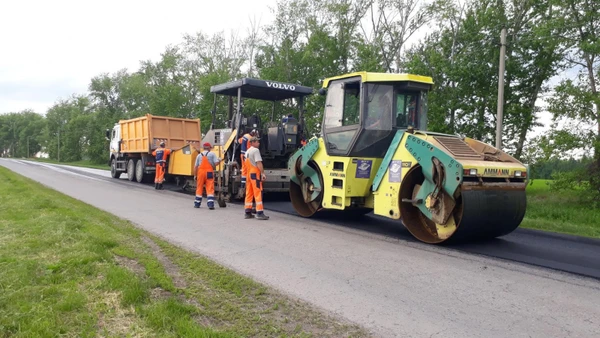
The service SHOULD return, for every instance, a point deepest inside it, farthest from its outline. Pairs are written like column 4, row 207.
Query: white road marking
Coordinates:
column 58, row 169
column 23, row 162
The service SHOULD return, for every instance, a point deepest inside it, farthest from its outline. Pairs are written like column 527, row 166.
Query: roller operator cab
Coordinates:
column 376, row 155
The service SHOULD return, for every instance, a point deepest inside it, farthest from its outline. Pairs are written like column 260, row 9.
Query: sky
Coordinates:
column 51, row 49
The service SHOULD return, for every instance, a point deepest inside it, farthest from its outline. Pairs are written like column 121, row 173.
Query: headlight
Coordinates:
column 470, row 172
column 518, row 173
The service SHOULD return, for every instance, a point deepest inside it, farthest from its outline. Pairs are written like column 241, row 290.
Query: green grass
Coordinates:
column 562, row 211
column 72, row 270
column 82, row 163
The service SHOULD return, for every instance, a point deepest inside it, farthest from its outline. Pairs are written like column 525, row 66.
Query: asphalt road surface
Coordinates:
column 379, row 278
column 567, row 253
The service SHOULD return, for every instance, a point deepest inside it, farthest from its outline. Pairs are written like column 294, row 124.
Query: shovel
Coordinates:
column 220, row 198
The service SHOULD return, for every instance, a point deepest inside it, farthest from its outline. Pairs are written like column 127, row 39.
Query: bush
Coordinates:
column 594, row 183
column 586, row 181
column 569, row 180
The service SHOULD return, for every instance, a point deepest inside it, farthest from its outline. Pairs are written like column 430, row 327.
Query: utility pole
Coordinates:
column 27, row 146
column 500, row 89
column 58, row 147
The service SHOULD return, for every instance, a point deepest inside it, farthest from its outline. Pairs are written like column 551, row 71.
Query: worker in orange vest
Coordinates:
column 257, row 175
column 206, row 163
column 245, row 142
column 160, row 155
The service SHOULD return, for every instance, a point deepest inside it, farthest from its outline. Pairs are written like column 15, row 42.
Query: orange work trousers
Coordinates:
column 205, row 179
column 254, row 191
column 159, row 177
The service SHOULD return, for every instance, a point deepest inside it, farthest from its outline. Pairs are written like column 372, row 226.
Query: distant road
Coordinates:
column 376, row 276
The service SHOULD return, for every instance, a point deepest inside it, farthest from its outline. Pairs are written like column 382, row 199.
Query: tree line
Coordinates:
column 459, row 46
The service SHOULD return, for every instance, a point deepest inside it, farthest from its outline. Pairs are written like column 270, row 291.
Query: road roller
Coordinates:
column 375, row 154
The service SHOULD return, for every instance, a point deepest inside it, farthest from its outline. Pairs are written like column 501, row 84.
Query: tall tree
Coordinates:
column 210, row 60
column 575, row 104
column 533, row 57
column 67, row 129
column 393, row 23
column 463, row 55
column 20, row 133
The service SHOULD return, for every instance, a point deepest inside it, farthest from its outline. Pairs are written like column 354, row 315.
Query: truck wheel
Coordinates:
column 139, row 172
column 113, row 169
column 131, row 170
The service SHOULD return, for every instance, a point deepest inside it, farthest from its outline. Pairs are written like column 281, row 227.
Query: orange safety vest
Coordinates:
column 161, row 154
column 247, row 145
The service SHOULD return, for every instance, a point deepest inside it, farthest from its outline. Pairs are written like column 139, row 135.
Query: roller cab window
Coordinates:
column 342, row 115
column 411, row 110
column 388, row 107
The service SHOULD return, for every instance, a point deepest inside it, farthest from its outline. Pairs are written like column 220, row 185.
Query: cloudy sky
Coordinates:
column 50, row 49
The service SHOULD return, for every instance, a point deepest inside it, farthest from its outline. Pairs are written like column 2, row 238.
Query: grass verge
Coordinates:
column 72, row 270
column 82, row 163
column 559, row 211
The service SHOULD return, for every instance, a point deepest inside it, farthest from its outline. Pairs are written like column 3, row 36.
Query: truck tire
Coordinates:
column 140, row 176
column 131, row 169
column 113, row 169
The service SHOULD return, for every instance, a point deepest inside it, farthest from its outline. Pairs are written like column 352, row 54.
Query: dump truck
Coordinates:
column 133, row 141
column 280, row 136
column 376, row 155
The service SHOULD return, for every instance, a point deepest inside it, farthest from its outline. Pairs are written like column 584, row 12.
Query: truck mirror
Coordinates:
column 108, row 134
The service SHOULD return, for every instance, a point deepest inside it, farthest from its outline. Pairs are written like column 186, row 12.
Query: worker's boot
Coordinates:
column 156, row 185
column 261, row 216
column 160, row 186
column 248, row 216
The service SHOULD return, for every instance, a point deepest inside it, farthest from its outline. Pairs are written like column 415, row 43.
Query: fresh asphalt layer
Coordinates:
column 562, row 252
column 369, row 271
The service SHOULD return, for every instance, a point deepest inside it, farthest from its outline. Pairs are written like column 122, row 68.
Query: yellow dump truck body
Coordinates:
column 144, row 134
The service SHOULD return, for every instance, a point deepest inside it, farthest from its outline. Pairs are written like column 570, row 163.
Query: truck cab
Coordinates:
column 114, row 136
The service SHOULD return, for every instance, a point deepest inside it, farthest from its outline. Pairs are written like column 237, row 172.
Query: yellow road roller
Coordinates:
column 375, row 154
